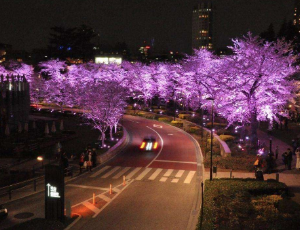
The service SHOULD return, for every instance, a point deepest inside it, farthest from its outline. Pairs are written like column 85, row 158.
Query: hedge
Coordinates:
column 227, row 138
column 165, row 119
column 246, row 204
column 177, row 124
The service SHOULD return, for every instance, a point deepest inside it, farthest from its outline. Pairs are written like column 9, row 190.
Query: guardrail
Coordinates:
column 8, row 190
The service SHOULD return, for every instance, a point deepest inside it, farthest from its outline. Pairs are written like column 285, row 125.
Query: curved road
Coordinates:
column 162, row 188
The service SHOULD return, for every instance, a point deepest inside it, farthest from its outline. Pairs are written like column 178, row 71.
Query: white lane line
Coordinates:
column 100, row 171
column 121, row 173
column 183, row 162
column 91, row 207
column 189, row 177
column 133, row 172
column 175, row 180
column 105, row 198
column 162, row 145
column 179, row 174
column 169, row 172
column 111, row 172
column 129, row 182
column 155, row 174
column 84, row 186
column 116, row 190
column 141, row 176
column 163, row 179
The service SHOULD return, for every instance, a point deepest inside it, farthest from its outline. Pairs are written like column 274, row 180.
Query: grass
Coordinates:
column 247, row 204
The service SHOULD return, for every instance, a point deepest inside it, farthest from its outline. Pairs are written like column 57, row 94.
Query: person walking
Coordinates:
column 89, row 161
column 289, row 158
column 258, row 165
column 81, row 162
column 276, row 152
column 285, row 159
column 298, row 158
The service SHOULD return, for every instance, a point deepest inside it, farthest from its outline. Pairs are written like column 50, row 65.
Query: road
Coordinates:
column 161, row 189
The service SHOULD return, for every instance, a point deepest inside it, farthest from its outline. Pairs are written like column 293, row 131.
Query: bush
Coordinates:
column 194, row 129
column 227, row 138
column 184, row 116
column 165, row 119
column 177, row 124
column 224, row 132
column 159, row 110
column 216, row 124
column 231, row 204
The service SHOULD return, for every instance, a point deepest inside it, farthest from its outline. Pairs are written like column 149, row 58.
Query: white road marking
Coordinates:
column 100, row 171
column 157, row 126
column 179, row 174
column 155, row 174
column 121, row 173
column 162, row 145
column 169, row 172
column 84, row 186
column 170, row 134
column 189, row 177
column 183, row 162
column 105, row 198
column 116, row 190
column 163, row 179
column 175, row 180
column 141, row 176
column 132, row 173
column 111, row 172
column 91, row 207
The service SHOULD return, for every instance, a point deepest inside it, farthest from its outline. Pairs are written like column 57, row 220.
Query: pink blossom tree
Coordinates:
column 255, row 82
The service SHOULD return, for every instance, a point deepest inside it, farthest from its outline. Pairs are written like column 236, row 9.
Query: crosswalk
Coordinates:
column 151, row 174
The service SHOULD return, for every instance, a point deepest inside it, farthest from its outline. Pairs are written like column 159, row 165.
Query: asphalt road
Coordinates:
column 161, row 189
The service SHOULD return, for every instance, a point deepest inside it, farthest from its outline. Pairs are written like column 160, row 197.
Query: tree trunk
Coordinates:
column 103, row 138
column 254, row 126
column 115, row 128
column 110, row 131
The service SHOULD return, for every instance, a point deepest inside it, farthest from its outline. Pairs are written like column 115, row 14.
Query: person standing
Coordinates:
column 298, row 158
column 285, row 159
column 276, row 152
column 81, row 162
column 289, row 158
column 89, row 162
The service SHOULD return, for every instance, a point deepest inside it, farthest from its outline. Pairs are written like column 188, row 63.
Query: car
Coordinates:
column 3, row 212
column 149, row 144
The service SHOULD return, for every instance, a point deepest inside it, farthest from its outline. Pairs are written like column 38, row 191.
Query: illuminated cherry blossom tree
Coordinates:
column 255, row 81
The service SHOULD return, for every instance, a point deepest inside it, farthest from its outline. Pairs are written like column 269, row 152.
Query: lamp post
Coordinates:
column 270, row 145
column 41, row 159
column 211, row 134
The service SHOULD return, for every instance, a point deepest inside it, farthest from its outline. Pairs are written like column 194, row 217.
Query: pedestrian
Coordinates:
column 285, row 159
column 258, row 165
column 269, row 160
column 94, row 157
column 89, row 161
column 298, row 158
column 81, row 162
column 276, row 152
column 294, row 144
column 289, row 158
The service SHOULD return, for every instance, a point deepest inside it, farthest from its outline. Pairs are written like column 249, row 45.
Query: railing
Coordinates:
column 8, row 190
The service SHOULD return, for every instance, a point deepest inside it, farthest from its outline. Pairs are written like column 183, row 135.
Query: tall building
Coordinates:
column 202, row 26
column 296, row 18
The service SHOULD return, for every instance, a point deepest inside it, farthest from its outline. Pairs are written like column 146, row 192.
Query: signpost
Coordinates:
column 54, row 193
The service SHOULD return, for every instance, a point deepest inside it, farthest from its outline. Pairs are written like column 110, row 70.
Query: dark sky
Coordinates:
column 26, row 23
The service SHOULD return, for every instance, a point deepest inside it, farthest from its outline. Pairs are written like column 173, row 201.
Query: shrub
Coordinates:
column 165, row 119
column 194, row 129
column 177, row 124
column 216, row 124
column 227, row 138
column 230, row 204
column 184, row 116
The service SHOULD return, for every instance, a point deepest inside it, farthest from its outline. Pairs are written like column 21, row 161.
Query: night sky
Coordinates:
column 25, row 24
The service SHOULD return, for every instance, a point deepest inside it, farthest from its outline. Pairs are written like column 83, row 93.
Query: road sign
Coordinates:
column 54, row 192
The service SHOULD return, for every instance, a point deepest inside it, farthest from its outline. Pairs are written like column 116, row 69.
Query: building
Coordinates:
column 202, row 26
column 296, row 18
column 108, row 59
column 14, row 101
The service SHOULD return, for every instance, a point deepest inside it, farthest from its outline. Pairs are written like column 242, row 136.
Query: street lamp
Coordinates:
column 40, row 158
column 211, row 134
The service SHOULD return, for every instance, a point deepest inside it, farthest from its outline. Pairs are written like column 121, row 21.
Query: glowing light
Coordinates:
column 155, row 145
column 143, row 145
